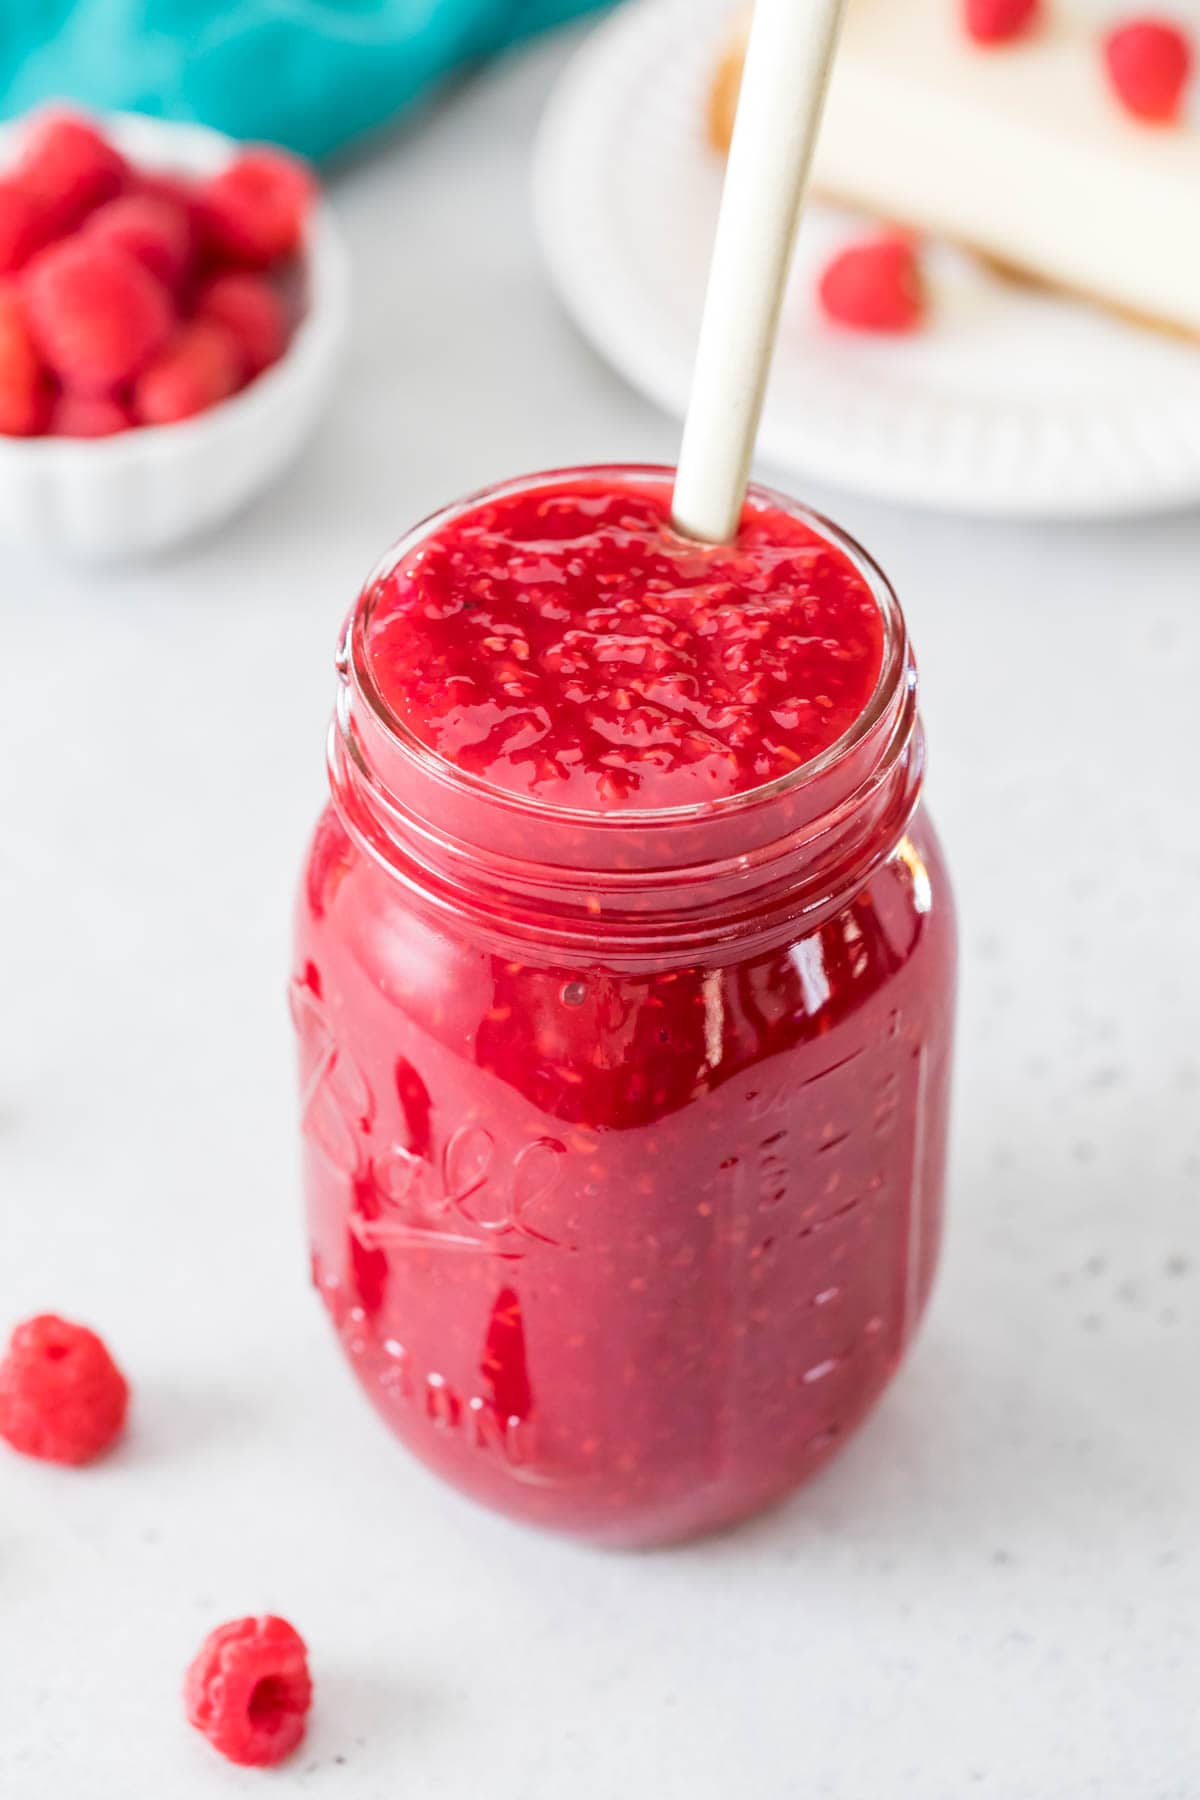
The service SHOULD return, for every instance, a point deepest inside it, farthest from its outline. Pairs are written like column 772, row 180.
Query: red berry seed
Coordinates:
column 84, row 416
column 999, row 21
column 198, row 367
column 1149, row 63
column 96, row 314
column 153, row 230
column 254, row 212
column 253, row 310
column 249, row 1690
column 62, row 1397
column 70, row 168
column 875, row 286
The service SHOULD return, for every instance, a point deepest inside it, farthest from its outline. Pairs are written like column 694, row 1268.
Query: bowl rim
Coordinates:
column 200, row 149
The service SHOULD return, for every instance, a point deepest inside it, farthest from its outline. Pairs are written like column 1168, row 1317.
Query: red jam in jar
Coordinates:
column 624, row 987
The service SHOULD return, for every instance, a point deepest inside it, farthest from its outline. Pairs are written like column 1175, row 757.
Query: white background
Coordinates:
column 995, row 1590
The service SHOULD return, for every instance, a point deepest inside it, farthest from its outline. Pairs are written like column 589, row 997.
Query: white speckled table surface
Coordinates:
column 996, row 1590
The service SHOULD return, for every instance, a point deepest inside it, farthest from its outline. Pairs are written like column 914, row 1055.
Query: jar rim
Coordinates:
column 353, row 658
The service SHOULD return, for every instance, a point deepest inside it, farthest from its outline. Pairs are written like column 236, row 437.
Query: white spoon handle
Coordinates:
column 788, row 62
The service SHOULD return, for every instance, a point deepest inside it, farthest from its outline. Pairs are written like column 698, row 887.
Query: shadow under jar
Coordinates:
column 624, row 1125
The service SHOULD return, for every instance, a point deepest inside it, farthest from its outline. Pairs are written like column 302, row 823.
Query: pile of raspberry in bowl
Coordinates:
column 130, row 296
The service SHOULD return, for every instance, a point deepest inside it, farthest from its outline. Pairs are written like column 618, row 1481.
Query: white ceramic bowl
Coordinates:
column 145, row 490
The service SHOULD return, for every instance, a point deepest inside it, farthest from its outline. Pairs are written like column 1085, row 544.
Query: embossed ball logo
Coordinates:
column 472, row 1194
column 471, row 1185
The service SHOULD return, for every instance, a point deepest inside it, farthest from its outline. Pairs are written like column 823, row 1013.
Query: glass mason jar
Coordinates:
column 624, row 1132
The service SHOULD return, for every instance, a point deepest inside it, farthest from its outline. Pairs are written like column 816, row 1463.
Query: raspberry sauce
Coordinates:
column 567, row 642
column 624, row 1076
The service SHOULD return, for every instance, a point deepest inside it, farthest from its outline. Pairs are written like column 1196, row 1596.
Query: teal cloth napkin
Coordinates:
column 308, row 73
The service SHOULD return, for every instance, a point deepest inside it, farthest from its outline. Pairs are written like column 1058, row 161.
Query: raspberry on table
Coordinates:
column 88, row 416
column 201, row 365
column 24, row 389
column 96, row 313
column 153, row 230
column 252, row 309
column 875, row 285
column 249, row 1690
column 999, row 21
column 1149, row 64
column 70, row 168
column 254, row 212
column 62, row 1397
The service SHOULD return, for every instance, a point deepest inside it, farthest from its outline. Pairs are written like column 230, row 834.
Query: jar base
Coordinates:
column 608, row 1519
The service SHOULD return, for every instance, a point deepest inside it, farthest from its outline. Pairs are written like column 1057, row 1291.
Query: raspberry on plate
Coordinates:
column 875, row 285
column 96, row 313
column 253, row 310
column 85, row 416
column 69, row 167
column 249, row 1690
column 199, row 366
column 24, row 390
column 254, row 212
column 62, row 1397
column 1149, row 64
column 999, row 21
column 153, row 230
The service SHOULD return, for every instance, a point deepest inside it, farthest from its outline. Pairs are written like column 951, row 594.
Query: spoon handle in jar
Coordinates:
column 789, row 58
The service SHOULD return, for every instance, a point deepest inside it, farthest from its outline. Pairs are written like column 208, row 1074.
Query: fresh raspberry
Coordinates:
column 85, row 416
column 96, row 314
column 200, row 366
column 249, row 1690
column 999, row 21
column 62, row 1397
column 70, row 167
column 875, row 286
column 164, row 184
column 154, row 231
column 178, row 191
column 254, row 211
column 1149, row 63
column 253, row 310
column 24, row 391
column 23, row 227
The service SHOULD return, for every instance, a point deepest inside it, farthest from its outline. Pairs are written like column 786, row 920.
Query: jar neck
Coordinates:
column 630, row 887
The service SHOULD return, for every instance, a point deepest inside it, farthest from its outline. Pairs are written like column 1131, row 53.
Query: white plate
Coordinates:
column 1012, row 402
